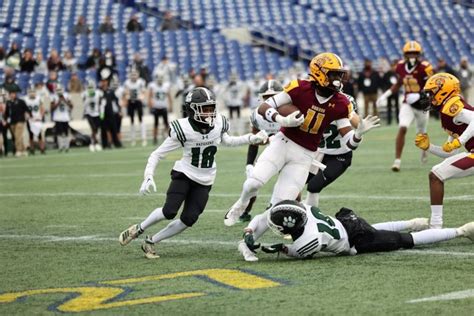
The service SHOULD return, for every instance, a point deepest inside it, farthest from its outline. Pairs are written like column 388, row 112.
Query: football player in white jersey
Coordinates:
column 335, row 153
column 61, row 107
column 35, row 122
column 193, row 175
column 159, row 101
column 266, row 90
column 135, row 88
column 345, row 234
column 91, row 100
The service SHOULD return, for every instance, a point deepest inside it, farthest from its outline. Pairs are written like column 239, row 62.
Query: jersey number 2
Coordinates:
column 309, row 119
column 207, row 156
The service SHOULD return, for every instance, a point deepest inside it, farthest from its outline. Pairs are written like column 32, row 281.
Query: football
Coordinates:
column 286, row 110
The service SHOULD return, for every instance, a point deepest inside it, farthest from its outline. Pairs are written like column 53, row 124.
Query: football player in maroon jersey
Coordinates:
column 443, row 94
column 412, row 73
column 293, row 148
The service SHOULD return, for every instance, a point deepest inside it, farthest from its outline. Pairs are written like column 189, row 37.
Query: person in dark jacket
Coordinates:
column 133, row 25
column 369, row 84
column 109, row 107
column 16, row 115
column 389, row 79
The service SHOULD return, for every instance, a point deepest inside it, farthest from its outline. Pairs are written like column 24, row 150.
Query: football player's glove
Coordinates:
column 450, row 146
column 366, row 125
column 290, row 120
column 422, row 141
column 259, row 138
column 147, row 184
column 250, row 242
column 273, row 248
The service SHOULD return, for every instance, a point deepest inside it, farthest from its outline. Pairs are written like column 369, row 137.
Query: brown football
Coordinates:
column 285, row 110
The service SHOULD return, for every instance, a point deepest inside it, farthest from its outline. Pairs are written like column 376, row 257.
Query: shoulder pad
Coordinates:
column 452, row 107
column 292, row 85
column 178, row 131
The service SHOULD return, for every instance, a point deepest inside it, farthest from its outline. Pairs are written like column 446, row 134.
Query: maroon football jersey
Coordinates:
column 448, row 111
column 413, row 80
column 317, row 116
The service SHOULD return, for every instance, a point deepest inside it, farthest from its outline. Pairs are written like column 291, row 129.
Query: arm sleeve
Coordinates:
column 228, row 140
column 438, row 150
column 344, row 122
column 279, row 99
column 167, row 146
column 467, row 117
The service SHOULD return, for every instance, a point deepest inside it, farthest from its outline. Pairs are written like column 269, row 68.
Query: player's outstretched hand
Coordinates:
column 259, row 138
column 147, row 184
column 294, row 119
column 250, row 242
column 366, row 125
column 273, row 248
column 422, row 141
column 452, row 145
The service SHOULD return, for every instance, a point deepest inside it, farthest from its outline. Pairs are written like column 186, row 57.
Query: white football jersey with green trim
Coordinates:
column 322, row 233
column 34, row 106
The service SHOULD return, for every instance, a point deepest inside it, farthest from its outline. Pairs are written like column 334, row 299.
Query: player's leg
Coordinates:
column 406, row 116
column 142, row 123
column 175, row 196
column 415, row 224
column 131, row 108
column 164, row 114
column 457, row 166
column 256, row 228
column 336, row 165
column 268, row 164
column 155, row 126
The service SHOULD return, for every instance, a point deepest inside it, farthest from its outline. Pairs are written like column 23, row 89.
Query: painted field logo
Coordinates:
column 110, row 294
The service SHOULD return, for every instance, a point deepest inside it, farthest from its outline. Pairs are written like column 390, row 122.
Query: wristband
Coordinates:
column 269, row 114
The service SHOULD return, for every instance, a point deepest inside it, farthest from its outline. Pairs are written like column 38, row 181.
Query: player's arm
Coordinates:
column 466, row 117
column 253, row 139
column 422, row 141
column 353, row 137
column 393, row 89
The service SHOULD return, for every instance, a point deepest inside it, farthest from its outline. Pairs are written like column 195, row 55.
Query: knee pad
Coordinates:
column 316, row 184
column 170, row 211
column 190, row 218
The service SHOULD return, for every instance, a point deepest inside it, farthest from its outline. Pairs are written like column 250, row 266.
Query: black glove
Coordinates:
column 273, row 248
column 250, row 242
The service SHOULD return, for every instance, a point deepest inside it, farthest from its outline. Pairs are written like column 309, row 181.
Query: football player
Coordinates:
column 134, row 93
column 91, row 100
column 412, row 73
column 61, row 107
column 258, row 122
column 313, row 232
column 159, row 101
column 35, row 122
column 292, row 150
column 442, row 94
column 193, row 175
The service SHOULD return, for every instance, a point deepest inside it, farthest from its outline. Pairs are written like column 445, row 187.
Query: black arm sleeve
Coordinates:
column 252, row 154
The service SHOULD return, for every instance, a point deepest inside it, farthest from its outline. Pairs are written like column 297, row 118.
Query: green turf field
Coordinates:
column 61, row 215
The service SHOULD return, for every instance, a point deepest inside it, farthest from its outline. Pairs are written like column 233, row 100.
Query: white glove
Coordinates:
column 291, row 120
column 366, row 125
column 259, row 138
column 382, row 100
column 248, row 170
column 147, row 183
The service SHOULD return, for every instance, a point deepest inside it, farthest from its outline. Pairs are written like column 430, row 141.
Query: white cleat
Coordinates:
column 248, row 254
column 148, row 248
column 418, row 224
column 467, row 231
column 129, row 234
column 98, row 147
column 232, row 216
column 91, row 148
column 396, row 165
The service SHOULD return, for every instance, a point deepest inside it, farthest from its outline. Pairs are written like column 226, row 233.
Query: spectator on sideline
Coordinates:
column 169, row 22
column 350, row 84
column 134, row 25
column 74, row 85
column 81, row 26
column 109, row 108
column 14, row 56
column 28, row 62
column 389, row 79
column 52, row 81
column 465, row 77
column 369, row 84
column 142, row 69
column 16, row 114
column 444, row 67
column 2, row 57
column 54, row 61
column 10, row 84
column 107, row 26
column 93, row 59
column 69, row 61
column 42, row 67
column 3, row 124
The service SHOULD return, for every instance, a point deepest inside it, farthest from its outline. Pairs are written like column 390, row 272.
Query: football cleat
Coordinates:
column 417, row 224
column 148, row 248
column 467, row 231
column 98, row 147
column 232, row 216
column 91, row 148
column 130, row 234
column 248, row 254
column 396, row 165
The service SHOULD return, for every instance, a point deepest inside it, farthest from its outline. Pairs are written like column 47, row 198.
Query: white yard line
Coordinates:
column 236, row 195
column 458, row 295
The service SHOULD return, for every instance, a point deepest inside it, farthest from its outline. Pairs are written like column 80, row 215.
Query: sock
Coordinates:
column 258, row 225
column 173, row 228
column 431, row 236
column 154, row 217
column 312, row 199
column 132, row 132
column 436, row 220
column 143, row 130
column 392, row 226
column 67, row 142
